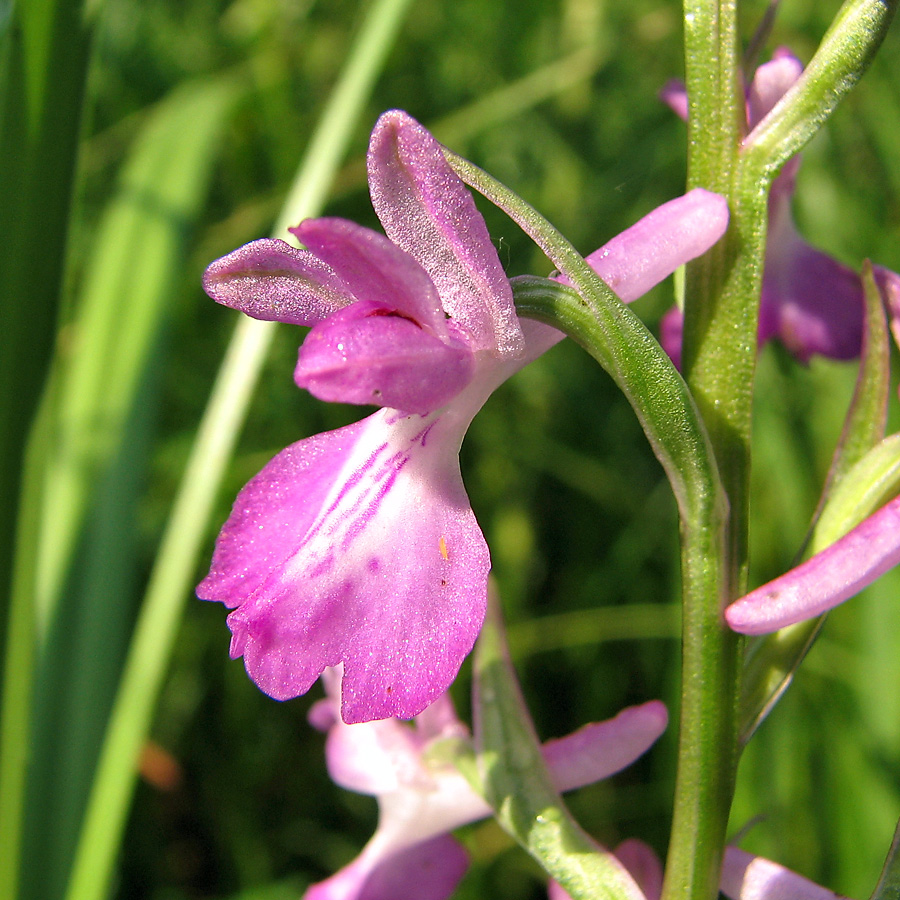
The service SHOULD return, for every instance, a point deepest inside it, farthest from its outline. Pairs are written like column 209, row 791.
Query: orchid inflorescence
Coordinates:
column 354, row 556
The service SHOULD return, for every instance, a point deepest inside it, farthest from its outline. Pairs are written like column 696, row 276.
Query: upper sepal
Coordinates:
column 428, row 212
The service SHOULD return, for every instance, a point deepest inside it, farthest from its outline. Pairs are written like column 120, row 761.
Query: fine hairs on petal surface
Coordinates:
column 273, row 281
column 428, row 212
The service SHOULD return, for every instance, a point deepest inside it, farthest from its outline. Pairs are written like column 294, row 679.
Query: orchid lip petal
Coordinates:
column 375, row 269
column 366, row 354
column 651, row 249
column 358, row 545
column 271, row 280
column 824, row 581
column 428, row 212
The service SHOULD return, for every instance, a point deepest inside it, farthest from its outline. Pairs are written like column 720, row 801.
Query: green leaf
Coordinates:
column 513, row 778
column 44, row 52
column 866, row 418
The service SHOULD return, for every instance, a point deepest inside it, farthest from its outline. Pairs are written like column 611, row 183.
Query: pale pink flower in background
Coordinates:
column 421, row 799
column 809, row 301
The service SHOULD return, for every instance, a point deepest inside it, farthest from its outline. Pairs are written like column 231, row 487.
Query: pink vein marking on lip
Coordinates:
column 360, row 510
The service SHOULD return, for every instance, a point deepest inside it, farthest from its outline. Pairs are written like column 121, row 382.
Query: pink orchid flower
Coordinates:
column 420, row 800
column 809, row 301
column 359, row 546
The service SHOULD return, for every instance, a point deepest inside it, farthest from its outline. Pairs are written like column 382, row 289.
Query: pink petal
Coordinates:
column 671, row 334
column 889, row 285
column 356, row 546
column 827, row 579
column 748, row 877
column 770, row 83
column 439, row 721
column 643, row 865
column 373, row 758
column 428, row 212
column 428, row 871
column 271, row 280
column 675, row 97
column 651, row 249
column 601, row 749
column 367, row 354
column 811, row 302
column 375, row 269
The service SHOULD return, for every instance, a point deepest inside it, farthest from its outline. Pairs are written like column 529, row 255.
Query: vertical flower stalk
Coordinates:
column 719, row 351
column 718, row 356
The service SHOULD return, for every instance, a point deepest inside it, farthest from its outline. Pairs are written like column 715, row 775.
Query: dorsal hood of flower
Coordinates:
column 359, row 546
column 809, row 301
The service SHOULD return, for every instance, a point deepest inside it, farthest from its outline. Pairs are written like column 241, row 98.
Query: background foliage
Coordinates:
column 558, row 99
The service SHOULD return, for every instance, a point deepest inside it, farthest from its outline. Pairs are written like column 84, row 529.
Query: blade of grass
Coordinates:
column 95, row 451
column 43, row 71
column 164, row 601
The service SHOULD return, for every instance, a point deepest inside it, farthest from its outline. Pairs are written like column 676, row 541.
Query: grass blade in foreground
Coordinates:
column 94, row 458
column 44, row 53
column 169, row 582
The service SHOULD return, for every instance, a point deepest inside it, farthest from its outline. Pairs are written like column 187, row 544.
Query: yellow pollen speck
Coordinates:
column 442, row 546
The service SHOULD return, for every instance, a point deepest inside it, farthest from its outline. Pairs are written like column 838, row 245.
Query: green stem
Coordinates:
column 672, row 423
column 718, row 356
column 175, row 565
column 719, row 360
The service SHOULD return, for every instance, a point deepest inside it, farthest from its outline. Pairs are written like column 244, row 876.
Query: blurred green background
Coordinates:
column 558, row 100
